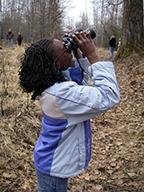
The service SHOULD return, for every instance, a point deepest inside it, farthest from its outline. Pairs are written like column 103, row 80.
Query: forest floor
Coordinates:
column 117, row 163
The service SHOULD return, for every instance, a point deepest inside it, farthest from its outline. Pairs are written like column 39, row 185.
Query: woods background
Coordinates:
column 40, row 18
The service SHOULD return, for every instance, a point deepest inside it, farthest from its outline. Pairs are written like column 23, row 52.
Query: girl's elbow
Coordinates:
column 115, row 100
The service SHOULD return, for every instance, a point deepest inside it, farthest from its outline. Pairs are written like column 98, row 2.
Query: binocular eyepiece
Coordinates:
column 70, row 45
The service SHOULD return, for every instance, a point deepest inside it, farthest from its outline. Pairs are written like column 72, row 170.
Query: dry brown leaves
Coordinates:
column 117, row 163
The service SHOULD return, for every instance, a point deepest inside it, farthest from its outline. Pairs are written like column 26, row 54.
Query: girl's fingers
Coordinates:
column 81, row 35
column 76, row 38
column 88, row 36
column 84, row 35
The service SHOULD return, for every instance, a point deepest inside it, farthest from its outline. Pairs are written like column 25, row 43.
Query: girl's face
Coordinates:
column 63, row 59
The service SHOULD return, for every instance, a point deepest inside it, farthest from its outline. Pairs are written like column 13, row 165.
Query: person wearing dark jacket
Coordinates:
column 9, row 38
column 19, row 39
column 112, row 46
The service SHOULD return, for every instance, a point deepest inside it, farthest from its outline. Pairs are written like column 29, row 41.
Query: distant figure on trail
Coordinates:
column 19, row 39
column 112, row 46
column 9, row 38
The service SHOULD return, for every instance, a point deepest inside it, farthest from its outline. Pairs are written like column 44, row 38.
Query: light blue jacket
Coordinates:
column 63, row 148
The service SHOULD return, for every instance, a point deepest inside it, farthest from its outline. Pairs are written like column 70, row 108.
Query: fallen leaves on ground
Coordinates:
column 117, row 163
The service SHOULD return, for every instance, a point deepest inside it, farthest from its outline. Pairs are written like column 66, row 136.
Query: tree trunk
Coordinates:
column 133, row 24
column 0, row 21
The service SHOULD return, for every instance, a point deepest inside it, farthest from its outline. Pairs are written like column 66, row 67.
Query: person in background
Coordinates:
column 19, row 39
column 112, row 46
column 63, row 149
column 9, row 38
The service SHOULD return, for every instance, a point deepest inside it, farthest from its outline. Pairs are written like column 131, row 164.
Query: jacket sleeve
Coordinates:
column 84, row 63
column 79, row 73
column 80, row 103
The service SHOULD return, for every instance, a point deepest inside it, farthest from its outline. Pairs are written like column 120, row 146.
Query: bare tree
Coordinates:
column 107, row 19
column 34, row 18
column 84, row 21
column 133, row 29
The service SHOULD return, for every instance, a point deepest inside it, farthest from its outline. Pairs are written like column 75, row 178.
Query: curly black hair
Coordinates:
column 38, row 71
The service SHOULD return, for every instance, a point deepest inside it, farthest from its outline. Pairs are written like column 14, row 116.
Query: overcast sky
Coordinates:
column 77, row 7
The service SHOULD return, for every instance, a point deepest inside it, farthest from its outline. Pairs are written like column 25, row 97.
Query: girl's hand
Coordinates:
column 86, row 45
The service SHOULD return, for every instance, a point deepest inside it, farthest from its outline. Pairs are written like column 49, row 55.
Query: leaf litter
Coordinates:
column 117, row 163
